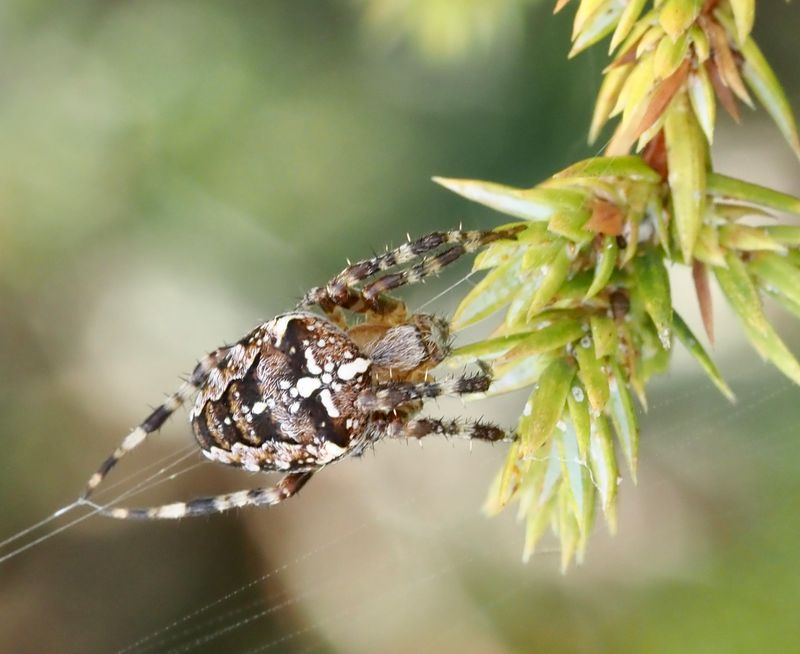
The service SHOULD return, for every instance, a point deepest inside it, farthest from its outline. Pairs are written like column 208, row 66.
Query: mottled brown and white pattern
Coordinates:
column 303, row 390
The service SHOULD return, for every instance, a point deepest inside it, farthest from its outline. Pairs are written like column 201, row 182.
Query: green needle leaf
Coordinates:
column 784, row 234
column 604, row 268
column 627, row 20
column 572, row 471
column 686, row 156
column 553, row 276
column 604, row 467
column 762, row 80
column 785, row 302
column 778, row 274
column 729, row 188
column 570, row 225
column 546, row 339
column 690, row 342
column 742, row 293
column 568, row 531
column 521, row 373
column 704, row 104
column 629, row 166
column 591, row 373
column 745, row 237
column 702, row 46
column 579, row 417
column 654, row 289
column 548, row 405
column 623, row 415
column 744, row 13
column 669, row 55
column 655, row 209
column 537, row 522
column 531, row 204
column 677, row 16
column 501, row 490
column 491, row 293
column 743, row 296
column 597, row 26
column 604, row 335
column 490, row 348
column 607, row 97
column 707, row 249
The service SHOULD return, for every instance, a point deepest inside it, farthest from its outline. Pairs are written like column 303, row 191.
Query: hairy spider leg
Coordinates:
column 471, row 430
column 387, row 397
column 289, row 485
column 157, row 418
column 341, row 292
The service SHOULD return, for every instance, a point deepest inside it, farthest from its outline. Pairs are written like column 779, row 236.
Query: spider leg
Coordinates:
column 284, row 489
column 389, row 396
column 156, row 419
column 472, row 430
column 340, row 290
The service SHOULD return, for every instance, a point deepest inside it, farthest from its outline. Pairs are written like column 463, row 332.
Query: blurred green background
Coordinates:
column 173, row 172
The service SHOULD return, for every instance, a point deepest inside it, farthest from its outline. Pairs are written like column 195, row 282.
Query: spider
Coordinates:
column 304, row 390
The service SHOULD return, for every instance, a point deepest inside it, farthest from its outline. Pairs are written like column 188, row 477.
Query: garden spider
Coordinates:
column 303, row 390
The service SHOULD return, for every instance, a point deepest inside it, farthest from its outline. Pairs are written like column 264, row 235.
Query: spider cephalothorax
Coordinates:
column 303, row 390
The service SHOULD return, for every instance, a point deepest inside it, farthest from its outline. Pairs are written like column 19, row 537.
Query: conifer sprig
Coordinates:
column 584, row 291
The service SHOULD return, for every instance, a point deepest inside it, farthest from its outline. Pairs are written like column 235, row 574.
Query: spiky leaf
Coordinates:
column 701, row 94
column 744, row 298
column 690, row 342
column 626, row 22
column 591, row 373
column 553, row 276
column 604, row 467
column 629, row 166
column 606, row 99
column 686, row 156
column 531, row 204
column 604, row 268
column 744, row 13
column 549, row 400
column 597, row 26
column 492, row 292
column 546, row 339
column 777, row 273
column 604, row 335
column 745, row 237
column 579, row 417
column 623, row 416
column 762, row 80
column 655, row 292
column 677, row 16
column 729, row 188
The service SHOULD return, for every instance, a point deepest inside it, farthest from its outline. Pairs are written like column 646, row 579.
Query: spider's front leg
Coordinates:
column 341, row 291
column 471, row 430
column 284, row 489
column 387, row 397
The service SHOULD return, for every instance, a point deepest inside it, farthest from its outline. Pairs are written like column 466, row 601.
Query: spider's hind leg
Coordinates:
column 284, row 489
column 156, row 419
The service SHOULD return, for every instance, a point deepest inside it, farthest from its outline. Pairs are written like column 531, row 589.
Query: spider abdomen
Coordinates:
column 284, row 397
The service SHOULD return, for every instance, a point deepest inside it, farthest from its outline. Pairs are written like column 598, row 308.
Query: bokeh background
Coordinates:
column 173, row 172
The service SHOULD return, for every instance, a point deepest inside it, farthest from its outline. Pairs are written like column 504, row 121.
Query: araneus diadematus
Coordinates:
column 303, row 390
